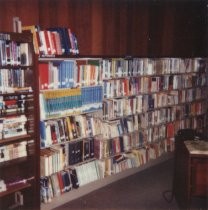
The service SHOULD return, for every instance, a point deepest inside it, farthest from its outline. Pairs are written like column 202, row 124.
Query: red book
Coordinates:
column 126, row 87
column 51, row 42
column 80, row 63
column 57, row 43
column 43, row 75
column 53, row 38
column 61, row 184
column 48, row 46
column 170, row 130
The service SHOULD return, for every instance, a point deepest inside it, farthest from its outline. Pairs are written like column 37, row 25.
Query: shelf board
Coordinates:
column 14, row 161
column 15, row 188
column 15, row 139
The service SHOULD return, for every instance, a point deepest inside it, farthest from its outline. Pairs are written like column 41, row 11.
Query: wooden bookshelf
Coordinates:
column 19, row 122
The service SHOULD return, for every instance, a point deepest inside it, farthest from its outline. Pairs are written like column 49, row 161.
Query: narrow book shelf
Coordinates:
column 14, row 161
column 15, row 139
column 15, row 188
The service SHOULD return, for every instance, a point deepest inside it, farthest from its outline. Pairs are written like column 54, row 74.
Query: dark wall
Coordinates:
column 120, row 27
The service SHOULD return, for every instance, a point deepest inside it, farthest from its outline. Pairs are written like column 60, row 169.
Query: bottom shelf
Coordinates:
column 76, row 193
column 15, row 188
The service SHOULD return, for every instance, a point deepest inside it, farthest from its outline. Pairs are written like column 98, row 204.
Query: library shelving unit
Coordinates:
column 19, row 147
column 70, row 119
column 104, row 118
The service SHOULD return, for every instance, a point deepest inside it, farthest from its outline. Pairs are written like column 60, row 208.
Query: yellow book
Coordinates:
column 33, row 30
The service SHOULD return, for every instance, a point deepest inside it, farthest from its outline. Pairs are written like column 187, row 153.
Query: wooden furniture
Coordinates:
column 19, row 148
column 191, row 169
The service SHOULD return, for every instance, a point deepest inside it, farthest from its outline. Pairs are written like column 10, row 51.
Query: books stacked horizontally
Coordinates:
column 13, row 126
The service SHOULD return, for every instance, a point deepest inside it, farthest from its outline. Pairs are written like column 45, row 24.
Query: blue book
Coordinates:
column 42, row 134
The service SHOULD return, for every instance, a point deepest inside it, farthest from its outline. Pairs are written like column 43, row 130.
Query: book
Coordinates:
column 44, row 75
column 34, row 30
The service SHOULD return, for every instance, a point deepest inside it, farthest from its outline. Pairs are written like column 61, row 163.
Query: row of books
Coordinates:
column 69, row 74
column 79, row 151
column 137, row 139
column 118, row 67
column 140, row 85
column 119, row 107
column 129, row 125
column 87, row 173
column 132, row 159
column 68, row 129
column 89, row 72
column 80, row 175
column 104, row 148
column 13, row 151
column 54, row 75
column 167, row 83
column 58, row 157
column 59, row 102
column 12, row 104
column 155, row 119
column 125, row 125
column 73, row 73
column 82, row 126
column 119, row 163
column 68, row 179
column 170, row 114
column 57, row 184
column 164, row 132
column 52, row 160
column 12, row 80
column 62, row 102
column 53, row 41
column 13, row 126
column 198, row 123
column 164, row 99
column 164, row 135
column 91, row 95
column 5, row 36
column 13, row 53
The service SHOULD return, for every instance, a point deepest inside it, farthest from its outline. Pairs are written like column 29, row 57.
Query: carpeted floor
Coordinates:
column 141, row 191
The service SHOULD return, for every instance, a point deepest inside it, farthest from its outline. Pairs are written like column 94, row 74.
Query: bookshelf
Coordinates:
column 19, row 147
column 142, row 103
column 70, row 118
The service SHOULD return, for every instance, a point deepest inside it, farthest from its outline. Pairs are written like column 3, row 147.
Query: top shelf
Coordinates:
column 25, row 37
